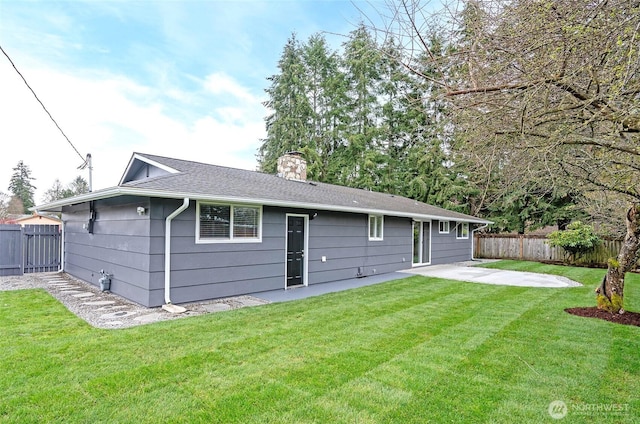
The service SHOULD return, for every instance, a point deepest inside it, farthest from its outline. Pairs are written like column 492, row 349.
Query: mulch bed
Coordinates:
column 628, row 318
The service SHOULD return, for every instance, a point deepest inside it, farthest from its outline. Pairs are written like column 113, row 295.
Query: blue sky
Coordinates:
column 177, row 78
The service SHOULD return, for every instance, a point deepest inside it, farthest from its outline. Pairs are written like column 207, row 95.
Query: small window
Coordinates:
column 444, row 227
column 462, row 231
column 220, row 223
column 375, row 227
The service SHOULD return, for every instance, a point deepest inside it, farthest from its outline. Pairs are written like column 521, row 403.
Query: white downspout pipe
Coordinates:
column 63, row 254
column 473, row 239
column 167, row 259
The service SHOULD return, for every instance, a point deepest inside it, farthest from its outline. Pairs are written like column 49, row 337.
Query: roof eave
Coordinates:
column 124, row 191
column 57, row 205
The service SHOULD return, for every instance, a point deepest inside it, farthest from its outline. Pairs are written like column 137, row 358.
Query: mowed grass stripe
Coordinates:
column 346, row 352
column 414, row 350
column 135, row 376
column 435, row 369
column 352, row 391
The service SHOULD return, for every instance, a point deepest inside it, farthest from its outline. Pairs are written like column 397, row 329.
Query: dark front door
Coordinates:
column 295, row 251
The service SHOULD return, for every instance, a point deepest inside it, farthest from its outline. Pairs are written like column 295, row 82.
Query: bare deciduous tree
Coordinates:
column 548, row 90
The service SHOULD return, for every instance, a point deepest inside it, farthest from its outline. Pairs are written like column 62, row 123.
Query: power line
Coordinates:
column 42, row 104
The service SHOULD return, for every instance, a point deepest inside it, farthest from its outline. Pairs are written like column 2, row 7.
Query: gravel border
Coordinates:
column 109, row 311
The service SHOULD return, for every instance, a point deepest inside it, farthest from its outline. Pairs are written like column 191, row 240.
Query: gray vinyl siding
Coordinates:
column 131, row 248
column 119, row 245
column 211, row 270
column 445, row 248
column 344, row 239
column 203, row 271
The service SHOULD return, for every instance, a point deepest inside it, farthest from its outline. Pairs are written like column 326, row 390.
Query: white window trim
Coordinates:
column 231, row 239
column 462, row 225
column 377, row 237
column 420, row 242
column 440, row 230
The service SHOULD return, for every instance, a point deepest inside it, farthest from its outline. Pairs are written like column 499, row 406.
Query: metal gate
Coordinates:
column 32, row 248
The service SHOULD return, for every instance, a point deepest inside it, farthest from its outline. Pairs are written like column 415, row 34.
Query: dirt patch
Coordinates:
column 628, row 318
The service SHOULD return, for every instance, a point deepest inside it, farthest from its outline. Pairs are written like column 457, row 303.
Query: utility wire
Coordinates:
column 42, row 104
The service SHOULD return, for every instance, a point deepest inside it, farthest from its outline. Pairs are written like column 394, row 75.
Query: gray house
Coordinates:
column 176, row 231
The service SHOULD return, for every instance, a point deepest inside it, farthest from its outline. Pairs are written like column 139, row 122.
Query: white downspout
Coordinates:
column 473, row 239
column 62, row 251
column 167, row 259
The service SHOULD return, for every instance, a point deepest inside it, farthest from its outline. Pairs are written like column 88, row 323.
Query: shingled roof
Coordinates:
column 176, row 178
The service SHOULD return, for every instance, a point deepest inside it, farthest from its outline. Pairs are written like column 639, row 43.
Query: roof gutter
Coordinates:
column 167, row 260
column 123, row 191
column 473, row 239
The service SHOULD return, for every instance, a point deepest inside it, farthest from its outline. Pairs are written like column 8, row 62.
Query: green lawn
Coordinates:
column 413, row 350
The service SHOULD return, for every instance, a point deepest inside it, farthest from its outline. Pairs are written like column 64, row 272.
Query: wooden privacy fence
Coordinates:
column 32, row 248
column 536, row 248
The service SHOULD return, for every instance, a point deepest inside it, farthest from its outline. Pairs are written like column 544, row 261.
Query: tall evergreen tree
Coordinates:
column 367, row 121
column 360, row 157
column 288, row 124
column 327, row 97
column 400, row 120
column 20, row 185
column 434, row 174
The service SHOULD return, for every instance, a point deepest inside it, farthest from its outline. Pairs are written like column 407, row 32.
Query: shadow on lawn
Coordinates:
column 628, row 318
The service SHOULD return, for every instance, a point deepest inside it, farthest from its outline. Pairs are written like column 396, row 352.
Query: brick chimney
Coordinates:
column 292, row 166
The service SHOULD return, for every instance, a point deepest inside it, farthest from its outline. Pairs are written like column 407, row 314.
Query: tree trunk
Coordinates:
column 610, row 293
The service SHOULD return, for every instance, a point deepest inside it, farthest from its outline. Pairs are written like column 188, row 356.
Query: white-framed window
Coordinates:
column 444, row 227
column 220, row 223
column 462, row 230
column 376, row 225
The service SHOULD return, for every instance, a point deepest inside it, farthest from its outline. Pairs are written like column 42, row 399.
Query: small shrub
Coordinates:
column 576, row 240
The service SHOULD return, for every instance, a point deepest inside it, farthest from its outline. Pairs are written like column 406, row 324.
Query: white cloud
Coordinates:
column 181, row 79
column 112, row 116
column 219, row 83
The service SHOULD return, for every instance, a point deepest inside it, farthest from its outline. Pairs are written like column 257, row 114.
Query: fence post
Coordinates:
column 521, row 245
